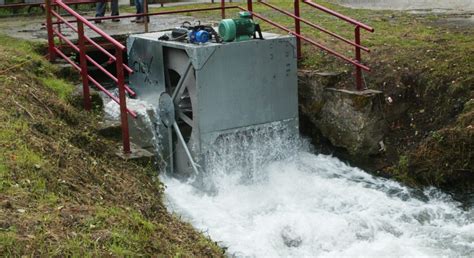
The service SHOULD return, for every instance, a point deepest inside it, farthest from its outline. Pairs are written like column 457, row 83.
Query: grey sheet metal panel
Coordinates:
column 238, row 86
column 145, row 57
column 253, row 82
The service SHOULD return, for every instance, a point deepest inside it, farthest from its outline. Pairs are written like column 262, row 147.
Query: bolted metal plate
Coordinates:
column 166, row 109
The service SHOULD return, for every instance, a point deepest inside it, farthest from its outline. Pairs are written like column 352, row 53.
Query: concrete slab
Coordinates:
column 33, row 27
column 137, row 154
column 184, row 2
column 110, row 129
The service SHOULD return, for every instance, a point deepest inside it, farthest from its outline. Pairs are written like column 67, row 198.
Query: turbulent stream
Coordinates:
column 288, row 202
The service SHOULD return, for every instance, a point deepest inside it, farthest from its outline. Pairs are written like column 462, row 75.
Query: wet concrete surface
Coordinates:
column 194, row 2
column 435, row 5
column 32, row 28
column 457, row 21
column 453, row 13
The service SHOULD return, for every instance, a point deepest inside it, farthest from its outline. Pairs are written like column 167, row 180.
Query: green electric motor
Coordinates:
column 239, row 29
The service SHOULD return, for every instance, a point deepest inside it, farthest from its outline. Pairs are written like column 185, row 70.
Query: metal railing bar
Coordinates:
column 341, row 56
column 339, row 15
column 128, row 69
column 111, row 76
column 316, row 26
column 103, row 50
column 83, row 1
column 114, row 98
column 90, row 25
column 155, row 14
column 63, row 21
column 59, row 34
column 20, row 5
column 59, row 52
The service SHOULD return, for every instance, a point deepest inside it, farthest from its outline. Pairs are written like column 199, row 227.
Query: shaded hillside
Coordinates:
column 62, row 189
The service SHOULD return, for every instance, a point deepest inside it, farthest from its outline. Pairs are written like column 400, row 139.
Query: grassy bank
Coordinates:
column 63, row 192
column 424, row 63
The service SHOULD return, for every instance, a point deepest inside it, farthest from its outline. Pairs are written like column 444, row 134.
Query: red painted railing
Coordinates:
column 19, row 5
column 356, row 61
column 78, row 24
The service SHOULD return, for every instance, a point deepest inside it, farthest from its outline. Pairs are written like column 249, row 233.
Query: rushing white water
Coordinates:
column 315, row 205
column 266, row 195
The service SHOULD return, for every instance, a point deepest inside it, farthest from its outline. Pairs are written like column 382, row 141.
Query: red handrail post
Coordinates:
column 223, row 9
column 146, row 17
column 49, row 28
column 122, row 100
column 83, row 65
column 358, row 71
column 250, row 5
column 297, row 27
column 59, row 28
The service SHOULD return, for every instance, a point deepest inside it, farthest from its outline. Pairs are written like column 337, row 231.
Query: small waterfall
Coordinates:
column 302, row 205
column 266, row 195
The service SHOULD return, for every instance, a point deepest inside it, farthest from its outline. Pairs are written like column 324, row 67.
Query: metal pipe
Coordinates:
column 59, row 30
column 111, row 76
column 83, row 63
column 338, row 15
column 59, row 52
column 104, row 51
column 222, row 8
column 157, row 13
column 110, row 95
column 80, row 2
column 49, row 28
column 123, row 101
column 185, row 147
column 358, row 71
column 314, row 25
column 66, row 40
column 145, row 9
column 250, row 5
column 90, row 25
column 162, row 13
column 19, row 5
column 341, row 56
column 64, row 21
column 179, row 86
column 297, row 26
column 88, row 58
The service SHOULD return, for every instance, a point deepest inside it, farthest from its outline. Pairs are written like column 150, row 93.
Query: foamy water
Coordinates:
column 315, row 205
column 267, row 195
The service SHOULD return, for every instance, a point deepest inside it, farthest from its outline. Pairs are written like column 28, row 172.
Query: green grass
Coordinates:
column 393, row 30
column 63, row 190
column 62, row 88
column 418, row 61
